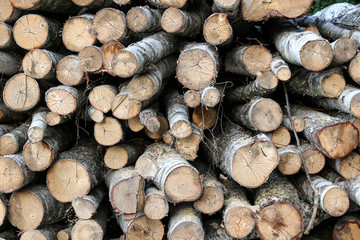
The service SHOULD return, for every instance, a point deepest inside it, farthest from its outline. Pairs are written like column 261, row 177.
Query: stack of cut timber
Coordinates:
column 153, row 119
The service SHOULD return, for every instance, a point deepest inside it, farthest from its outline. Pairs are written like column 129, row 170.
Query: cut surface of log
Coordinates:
column 149, row 118
column 109, row 24
column 344, row 49
column 189, row 146
column 108, row 51
column 204, row 118
column 69, row 71
column 53, row 119
column 280, row 68
column 3, row 208
column 124, row 108
column 86, row 207
column 354, row 68
column 42, row 234
column 143, row 19
column 13, row 141
column 90, row 59
column 121, row 155
column 192, row 98
column 134, row 124
column 108, row 132
column 64, row 234
column 299, row 123
column 217, row 29
column 6, row 37
column 281, row 137
column 156, row 205
column 290, row 160
column 8, row 13
column 210, row 96
column 347, row 227
column 348, row 167
column 164, row 126
column 314, row 159
column 45, row 5
column 10, row 63
column 175, row 3
column 95, row 115
column 101, row 97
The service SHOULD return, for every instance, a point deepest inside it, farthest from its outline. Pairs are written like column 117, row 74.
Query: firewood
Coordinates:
column 215, row 230
column 91, row 4
column 10, row 63
column 58, row 6
column 210, row 96
column 9, row 116
column 149, row 118
column 344, row 49
column 299, row 123
column 126, row 190
column 164, row 126
column 37, row 204
column 134, row 124
column 8, row 13
column 13, row 141
column 141, row 227
column 217, row 29
column 280, row 68
column 3, row 208
column 353, row 68
column 188, row 147
column 6, row 37
column 168, row 138
column 156, row 205
column 123, row 107
column 46, row 232
column 102, row 96
column 64, row 234
column 69, row 71
column 75, row 172
column 177, row 3
column 122, row 2
column 86, row 207
column 109, row 132
column 314, row 159
column 204, row 118
column 21, row 92
column 143, row 19
column 347, row 227
column 108, row 50
column 90, row 59
column 95, row 115
column 197, row 66
column 38, row 126
column 53, row 119
column 290, row 161
column 348, row 166
column 77, row 32
column 230, row 7
column 247, row 160
column 281, row 137
column 192, row 98
column 121, row 155
column 35, row 31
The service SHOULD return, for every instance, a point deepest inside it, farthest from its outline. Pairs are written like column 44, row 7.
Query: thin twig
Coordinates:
column 316, row 190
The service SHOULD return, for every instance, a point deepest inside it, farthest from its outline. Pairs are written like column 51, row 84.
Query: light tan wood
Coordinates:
column 109, row 24
column 3, row 208
column 101, row 97
column 189, row 146
column 6, row 36
column 143, row 19
column 86, row 207
column 90, row 59
column 95, row 115
column 8, row 13
column 192, row 98
column 217, row 29
column 124, row 108
column 299, row 123
column 108, row 51
column 13, row 141
column 64, row 234
column 354, row 67
column 156, row 205
column 348, row 167
column 57, row 6
column 47, row 232
column 134, row 124
column 210, row 96
column 121, row 2
column 69, row 71
column 344, row 49
column 108, row 132
column 281, row 137
column 93, row 4
column 174, row 3
column 121, row 155
column 204, row 118
column 164, row 126
column 347, row 227
column 53, row 119
column 290, row 160
column 314, row 159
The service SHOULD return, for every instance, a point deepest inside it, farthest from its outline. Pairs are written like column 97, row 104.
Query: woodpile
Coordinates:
column 187, row 119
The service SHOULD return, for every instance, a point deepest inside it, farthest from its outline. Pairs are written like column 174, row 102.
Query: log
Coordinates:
column 8, row 13
column 56, row 6
column 185, row 223
column 90, row 59
column 192, row 98
column 7, row 40
column 41, row 64
column 86, row 207
column 290, row 160
column 204, row 118
column 260, row 114
column 64, row 234
column 3, row 209
column 38, row 126
column 164, row 126
column 334, row 11
column 214, row 230
column 347, row 227
column 189, row 146
column 10, row 63
column 149, row 118
column 144, row 19
column 40, row 155
column 102, row 96
column 69, row 71
column 34, row 207
column 53, row 119
column 255, row 10
column 169, row 138
column 140, row 56
column 347, row 117
column 314, row 159
column 123, row 107
column 47, row 232
column 247, row 160
column 122, row 2
column 172, row 174
column 230, row 7
column 93, row 4
column 95, row 115
column 353, row 68
column 110, row 24
column 75, row 172
column 176, row 4
column 197, row 66
column 121, row 155
column 210, row 96
column 299, row 123
column 332, row 136
column 35, row 31
column 126, row 190
column 141, row 227
column 134, row 124
column 281, row 137
column 156, row 205
column 280, row 68
column 77, row 32
column 108, row 50
column 348, row 166
column 21, row 93
column 13, row 141
column 217, row 29
column 248, row 60
column 109, row 132
column 344, row 49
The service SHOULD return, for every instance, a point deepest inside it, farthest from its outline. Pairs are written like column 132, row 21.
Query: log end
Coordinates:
column 354, row 67
column 211, row 200
column 266, row 115
column 345, row 49
column 109, row 24
column 33, row 234
column 146, row 167
column 350, row 166
column 217, row 29
column 348, row 230
column 181, row 129
column 316, row 55
column 60, row 101
column 116, row 157
column 314, row 160
column 8, row 145
column 172, row 20
column 355, row 105
column 37, row 63
column 24, row 4
column 256, row 59
column 124, row 108
column 140, row 88
column 290, row 163
column 336, row 202
column 3, row 211
column 281, row 137
column 136, row 19
column 37, row 156
column 284, row 74
column 87, row 229
column 5, row 33
column 186, row 230
column 299, row 124
column 124, row 63
column 192, row 99
column 204, row 118
column 333, row 85
column 90, row 59
column 175, row 3
column 239, row 222
column 69, row 71
column 145, row 228
column 101, row 97
column 267, row 79
column 6, row 10
column 84, row 209
column 134, row 124
column 156, row 207
column 108, row 132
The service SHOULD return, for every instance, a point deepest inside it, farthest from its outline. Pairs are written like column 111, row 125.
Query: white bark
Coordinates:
column 38, row 127
column 280, row 68
column 334, row 11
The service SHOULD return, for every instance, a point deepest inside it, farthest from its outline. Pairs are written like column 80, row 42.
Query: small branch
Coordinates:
column 316, row 190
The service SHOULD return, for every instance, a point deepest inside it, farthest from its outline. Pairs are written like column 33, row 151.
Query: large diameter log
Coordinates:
column 197, row 66
column 33, row 207
column 21, row 93
column 66, row 7
column 86, row 207
column 69, row 71
column 256, row 10
column 143, row 19
column 332, row 136
column 44, row 233
column 185, row 223
column 126, row 190
column 76, row 172
column 13, row 141
column 344, row 49
column 156, row 205
column 347, row 117
column 247, row 160
column 108, row 50
column 279, row 212
column 141, row 56
column 347, row 227
column 348, row 166
column 109, row 132
column 101, row 97
column 260, row 114
column 10, row 63
column 217, row 29
column 314, row 159
column 123, row 107
column 35, row 31
column 172, row 174
column 290, row 160
column 8, row 13
column 78, row 33
column 121, row 155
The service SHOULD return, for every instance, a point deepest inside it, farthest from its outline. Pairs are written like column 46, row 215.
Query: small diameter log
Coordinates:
column 9, row 116
column 305, row 49
column 188, row 147
column 109, row 24
column 314, row 159
column 344, row 49
column 86, row 207
column 38, row 127
column 204, row 118
column 290, row 161
column 197, row 66
column 4, row 128
column 353, row 68
column 168, row 138
column 95, row 115
column 47, row 232
column 332, row 136
column 35, row 31
column 64, row 100
column 10, row 63
column 21, row 93
column 185, row 223
column 327, row 83
column 6, row 36
column 215, row 230
column 69, row 71
column 238, row 215
column 248, row 60
column 299, row 123
column 264, row 84
column 192, row 98
column 141, row 56
column 3, row 208
column 156, row 205
column 134, row 124
column 13, row 141
column 348, row 166
column 141, row 227
column 123, row 107
column 178, row 115
column 8, row 13
column 279, row 213
column 91, row 228
column 108, row 50
column 109, row 132
column 347, row 227
column 40, row 155
column 53, row 119
column 172, row 174
column 76, row 172
column 143, row 87
column 247, row 160
column 78, row 33
column 185, row 23
column 164, row 126
column 210, row 96
column 40, row 63
column 230, row 7
column 126, row 190
column 143, row 19
column 149, row 118
column 102, row 96
column 64, row 234
column 66, row 7
column 34, row 207
column 90, row 59
column 333, row 199
column 280, row 68
column 121, row 155
column 281, row 137
column 260, row 114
